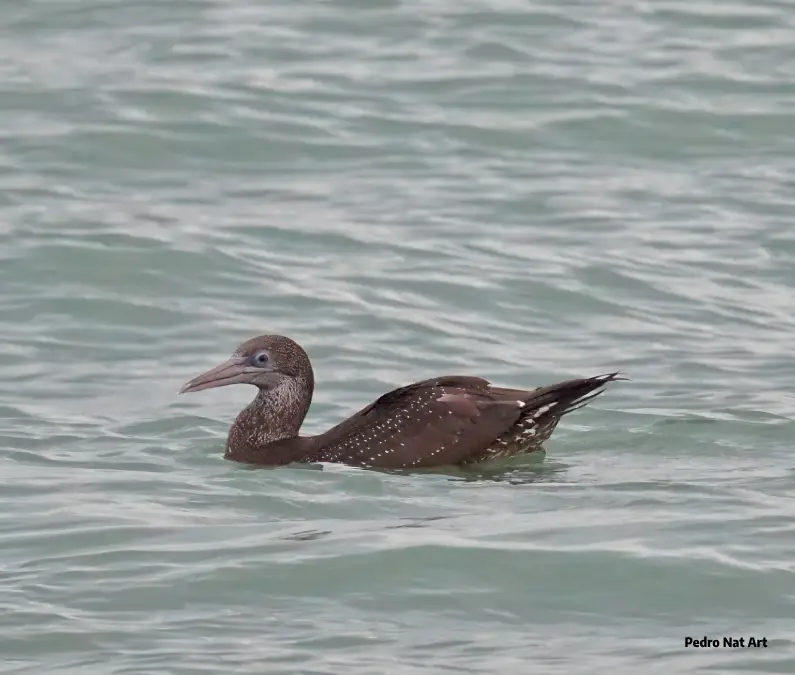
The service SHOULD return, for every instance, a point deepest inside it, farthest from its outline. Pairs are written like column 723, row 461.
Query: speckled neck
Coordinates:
column 274, row 415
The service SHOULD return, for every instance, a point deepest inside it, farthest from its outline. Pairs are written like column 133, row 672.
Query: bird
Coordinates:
column 450, row 420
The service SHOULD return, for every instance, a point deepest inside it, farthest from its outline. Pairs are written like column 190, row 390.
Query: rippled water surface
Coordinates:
column 526, row 191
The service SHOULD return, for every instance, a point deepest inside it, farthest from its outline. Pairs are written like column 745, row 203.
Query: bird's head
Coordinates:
column 266, row 362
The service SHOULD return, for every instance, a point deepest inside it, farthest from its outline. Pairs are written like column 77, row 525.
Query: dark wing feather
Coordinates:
column 435, row 422
column 454, row 381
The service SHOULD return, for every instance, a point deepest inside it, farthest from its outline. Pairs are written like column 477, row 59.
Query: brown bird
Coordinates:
column 448, row 420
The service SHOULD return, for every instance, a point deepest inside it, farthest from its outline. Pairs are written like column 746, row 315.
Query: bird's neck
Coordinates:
column 274, row 415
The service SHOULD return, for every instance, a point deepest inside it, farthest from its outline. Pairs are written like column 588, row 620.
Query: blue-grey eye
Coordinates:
column 261, row 358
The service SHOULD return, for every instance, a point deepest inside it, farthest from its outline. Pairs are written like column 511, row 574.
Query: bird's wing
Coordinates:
column 435, row 422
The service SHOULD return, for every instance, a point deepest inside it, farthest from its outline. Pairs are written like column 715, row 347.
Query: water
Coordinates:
column 525, row 191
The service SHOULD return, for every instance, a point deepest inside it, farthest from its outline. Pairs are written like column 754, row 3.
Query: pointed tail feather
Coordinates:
column 562, row 398
column 541, row 411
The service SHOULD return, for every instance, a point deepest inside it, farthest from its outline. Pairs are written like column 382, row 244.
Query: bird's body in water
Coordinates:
column 449, row 420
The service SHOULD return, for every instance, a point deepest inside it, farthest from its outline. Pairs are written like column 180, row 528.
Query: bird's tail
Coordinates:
column 545, row 406
column 565, row 397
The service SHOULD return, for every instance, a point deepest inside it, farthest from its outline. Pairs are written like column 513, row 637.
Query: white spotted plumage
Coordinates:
column 447, row 420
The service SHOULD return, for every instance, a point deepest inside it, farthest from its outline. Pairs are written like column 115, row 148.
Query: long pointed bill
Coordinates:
column 232, row 371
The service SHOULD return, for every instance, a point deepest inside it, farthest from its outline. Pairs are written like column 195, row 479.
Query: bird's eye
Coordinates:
column 261, row 358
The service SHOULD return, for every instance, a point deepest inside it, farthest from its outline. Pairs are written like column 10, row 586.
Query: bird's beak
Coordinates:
column 232, row 371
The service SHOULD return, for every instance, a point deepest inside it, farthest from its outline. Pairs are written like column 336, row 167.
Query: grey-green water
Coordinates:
column 526, row 191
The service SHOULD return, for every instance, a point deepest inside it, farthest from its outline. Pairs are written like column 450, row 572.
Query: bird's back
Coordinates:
column 435, row 422
column 452, row 420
